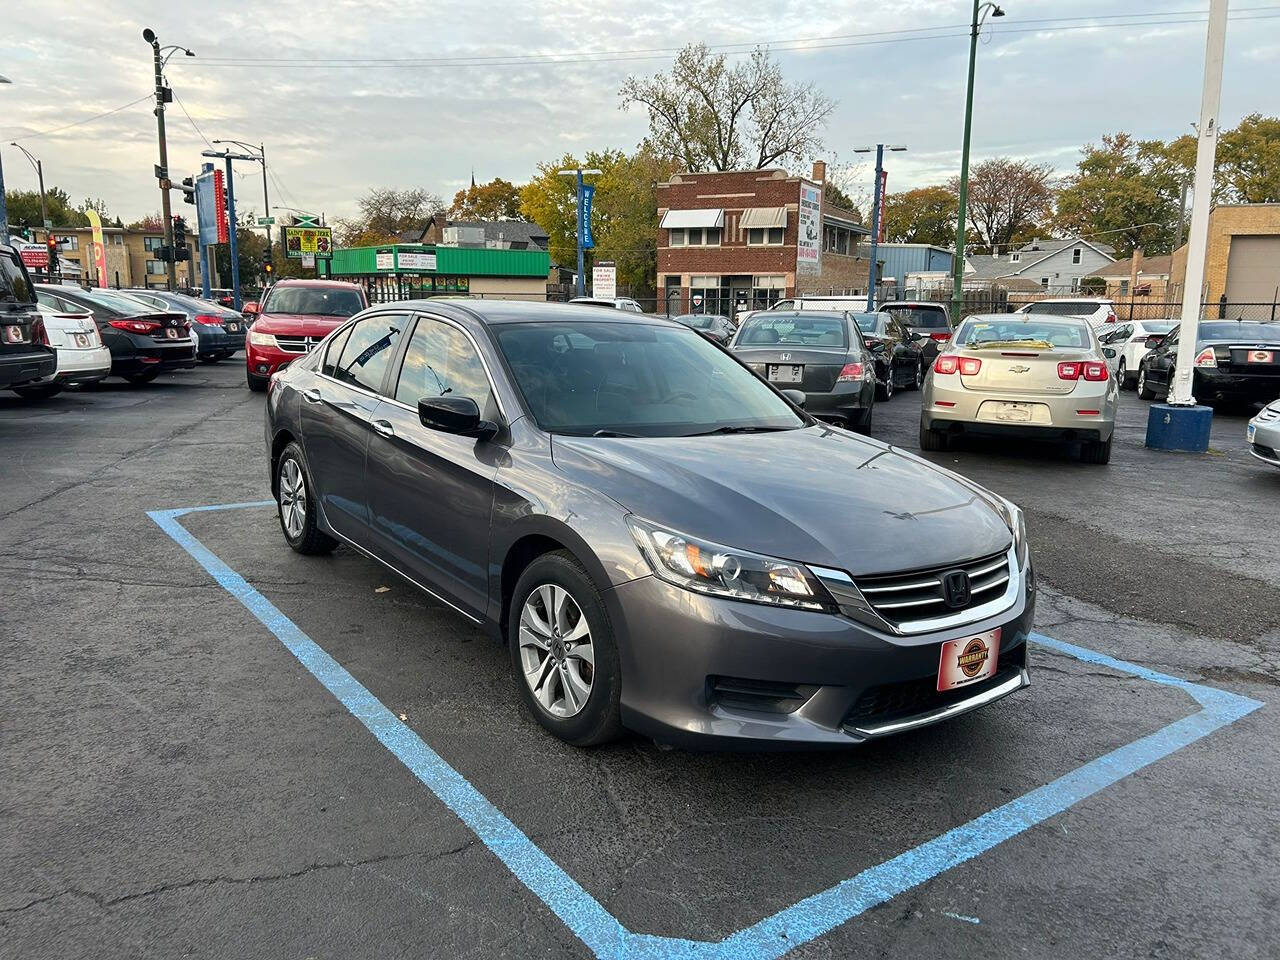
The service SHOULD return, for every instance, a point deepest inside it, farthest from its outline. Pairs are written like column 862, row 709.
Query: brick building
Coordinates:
column 130, row 256
column 745, row 239
column 1242, row 261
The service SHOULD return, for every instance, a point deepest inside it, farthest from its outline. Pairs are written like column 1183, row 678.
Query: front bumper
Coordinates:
column 1053, row 417
column 1266, row 443
column 702, row 671
column 264, row 361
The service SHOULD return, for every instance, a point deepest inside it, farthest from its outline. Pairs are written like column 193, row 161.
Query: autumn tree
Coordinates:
column 923, row 215
column 496, row 200
column 1008, row 199
column 1125, row 192
column 834, row 195
column 708, row 113
column 1247, row 166
column 385, row 214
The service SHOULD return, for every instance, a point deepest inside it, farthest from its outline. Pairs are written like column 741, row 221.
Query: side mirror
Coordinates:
column 250, row 309
column 456, row 415
column 1153, row 341
column 795, row 396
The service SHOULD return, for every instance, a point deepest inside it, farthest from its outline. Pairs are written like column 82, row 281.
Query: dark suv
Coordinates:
column 25, row 353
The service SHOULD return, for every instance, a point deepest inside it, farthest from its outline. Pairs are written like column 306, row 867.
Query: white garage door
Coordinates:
column 1253, row 269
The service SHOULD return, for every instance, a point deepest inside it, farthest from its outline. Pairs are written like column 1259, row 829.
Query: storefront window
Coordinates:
column 766, row 291
column 709, row 295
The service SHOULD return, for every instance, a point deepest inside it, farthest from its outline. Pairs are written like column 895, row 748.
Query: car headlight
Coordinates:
column 722, row 571
column 261, row 339
column 1017, row 524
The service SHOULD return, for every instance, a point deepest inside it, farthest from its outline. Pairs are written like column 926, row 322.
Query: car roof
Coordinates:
column 487, row 312
column 1026, row 318
column 300, row 282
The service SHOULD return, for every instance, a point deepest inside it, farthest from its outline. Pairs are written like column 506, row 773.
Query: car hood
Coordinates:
column 300, row 324
column 816, row 495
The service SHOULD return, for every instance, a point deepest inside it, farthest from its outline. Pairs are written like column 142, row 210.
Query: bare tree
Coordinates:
column 385, row 213
column 709, row 114
column 1007, row 199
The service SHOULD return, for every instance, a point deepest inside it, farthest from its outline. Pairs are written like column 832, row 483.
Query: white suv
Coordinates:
column 1096, row 310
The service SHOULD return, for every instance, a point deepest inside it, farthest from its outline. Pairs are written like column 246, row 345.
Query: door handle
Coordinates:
column 311, row 396
column 383, row 429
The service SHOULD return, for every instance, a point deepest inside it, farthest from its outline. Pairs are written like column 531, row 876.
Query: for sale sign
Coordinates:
column 300, row 241
column 604, row 279
column 34, row 255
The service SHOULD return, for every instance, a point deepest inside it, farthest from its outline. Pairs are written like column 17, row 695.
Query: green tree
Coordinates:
column 550, row 201
column 923, row 215
column 496, row 200
column 1124, row 192
column 1247, row 162
column 835, row 196
column 710, row 114
column 24, row 208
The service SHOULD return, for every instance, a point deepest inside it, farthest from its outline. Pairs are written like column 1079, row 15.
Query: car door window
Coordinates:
column 368, row 350
column 441, row 361
column 334, row 351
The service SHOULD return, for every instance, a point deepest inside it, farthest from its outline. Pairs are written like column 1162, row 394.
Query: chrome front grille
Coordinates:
column 297, row 344
column 921, row 594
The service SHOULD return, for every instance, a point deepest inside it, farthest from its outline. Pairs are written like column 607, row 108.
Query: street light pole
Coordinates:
column 875, row 217
column 44, row 213
column 162, row 172
column 957, row 267
column 4, row 210
column 228, row 156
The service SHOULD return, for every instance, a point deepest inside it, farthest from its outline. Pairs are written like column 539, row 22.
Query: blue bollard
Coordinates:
column 1179, row 428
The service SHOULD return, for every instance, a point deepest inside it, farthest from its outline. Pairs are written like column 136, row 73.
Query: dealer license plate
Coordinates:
column 171, row 333
column 968, row 660
column 785, row 372
column 1262, row 356
column 80, row 339
column 1013, row 412
column 233, row 327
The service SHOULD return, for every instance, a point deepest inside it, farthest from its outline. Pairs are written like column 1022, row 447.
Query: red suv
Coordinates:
column 294, row 317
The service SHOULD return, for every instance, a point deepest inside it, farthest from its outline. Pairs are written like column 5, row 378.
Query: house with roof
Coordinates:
column 1149, row 277
column 1054, row 266
column 493, row 234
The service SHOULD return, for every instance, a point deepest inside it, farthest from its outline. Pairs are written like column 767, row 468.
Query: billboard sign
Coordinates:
column 604, row 279
column 412, row 260
column 809, row 232
column 317, row 241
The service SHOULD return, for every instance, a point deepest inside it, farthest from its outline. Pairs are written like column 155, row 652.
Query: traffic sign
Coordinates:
column 266, row 221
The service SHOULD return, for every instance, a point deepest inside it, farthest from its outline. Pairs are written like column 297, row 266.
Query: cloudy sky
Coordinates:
column 436, row 92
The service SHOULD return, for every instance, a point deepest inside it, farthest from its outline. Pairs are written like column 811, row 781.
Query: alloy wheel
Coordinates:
column 1121, row 373
column 919, row 374
column 293, row 498
column 556, row 655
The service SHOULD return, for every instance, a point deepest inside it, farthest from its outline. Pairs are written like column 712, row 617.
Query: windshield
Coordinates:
column 13, row 281
column 121, row 303
column 930, row 317
column 700, row 321
column 590, row 378
column 980, row 333
column 1158, row 326
column 794, row 329
column 1241, row 331
column 314, row 301
column 1073, row 308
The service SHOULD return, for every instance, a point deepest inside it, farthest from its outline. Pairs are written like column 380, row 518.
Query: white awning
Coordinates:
column 764, row 217
column 681, row 219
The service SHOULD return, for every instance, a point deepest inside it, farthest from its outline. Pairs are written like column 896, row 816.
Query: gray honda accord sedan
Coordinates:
column 661, row 539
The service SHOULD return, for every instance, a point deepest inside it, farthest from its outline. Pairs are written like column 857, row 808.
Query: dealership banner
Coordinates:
column 99, row 246
column 35, row 256
column 584, row 217
column 317, row 241
column 809, row 233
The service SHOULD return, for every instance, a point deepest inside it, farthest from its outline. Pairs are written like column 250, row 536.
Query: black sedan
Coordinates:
column 716, row 328
column 820, row 353
column 1235, row 361
column 218, row 332
column 899, row 360
column 144, row 342
column 25, row 354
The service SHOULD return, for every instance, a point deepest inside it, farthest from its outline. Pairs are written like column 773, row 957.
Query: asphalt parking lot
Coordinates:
column 177, row 782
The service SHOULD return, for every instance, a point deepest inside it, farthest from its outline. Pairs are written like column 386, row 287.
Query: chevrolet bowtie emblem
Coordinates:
column 1019, row 369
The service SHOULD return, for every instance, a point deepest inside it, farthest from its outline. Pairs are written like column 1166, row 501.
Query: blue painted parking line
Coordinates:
column 782, row 932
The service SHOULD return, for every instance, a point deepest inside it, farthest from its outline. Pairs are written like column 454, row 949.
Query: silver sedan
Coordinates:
column 1264, row 434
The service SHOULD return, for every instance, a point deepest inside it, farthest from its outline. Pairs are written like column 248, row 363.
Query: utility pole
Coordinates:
column 4, row 211
column 583, row 224
column 162, row 171
column 875, row 217
column 1178, row 424
column 44, row 212
column 957, row 268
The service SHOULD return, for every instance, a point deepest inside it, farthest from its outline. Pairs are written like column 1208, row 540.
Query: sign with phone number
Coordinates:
column 316, row 241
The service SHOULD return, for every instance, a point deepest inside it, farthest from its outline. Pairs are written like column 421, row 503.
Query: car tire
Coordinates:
column 137, row 379
column 554, row 668
column 1096, row 451
column 295, row 505
column 934, row 440
column 884, row 391
column 1122, row 374
column 918, row 382
column 863, row 424
column 256, row 384
column 39, row 391
column 1144, row 388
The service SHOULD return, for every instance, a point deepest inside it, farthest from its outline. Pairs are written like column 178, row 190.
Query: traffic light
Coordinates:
column 267, row 268
column 179, row 232
column 51, row 244
column 188, row 190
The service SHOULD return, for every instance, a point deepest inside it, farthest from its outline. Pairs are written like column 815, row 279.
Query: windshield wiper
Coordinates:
column 728, row 429
column 615, row 433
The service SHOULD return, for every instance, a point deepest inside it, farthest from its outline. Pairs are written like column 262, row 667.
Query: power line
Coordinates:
column 1046, row 24
column 98, row 116
column 206, row 140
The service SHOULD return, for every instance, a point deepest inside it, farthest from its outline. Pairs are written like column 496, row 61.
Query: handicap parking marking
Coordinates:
column 601, row 932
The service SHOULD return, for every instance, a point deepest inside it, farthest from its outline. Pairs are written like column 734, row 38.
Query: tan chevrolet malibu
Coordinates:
column 1022, row 375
